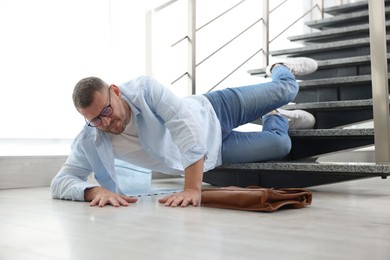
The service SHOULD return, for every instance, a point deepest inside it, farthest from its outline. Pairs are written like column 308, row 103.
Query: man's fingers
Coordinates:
column 115, row 201
column 130, row 199
column 163, row 200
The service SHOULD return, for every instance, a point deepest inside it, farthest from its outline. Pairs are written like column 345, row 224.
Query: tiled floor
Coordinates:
column 346, row 221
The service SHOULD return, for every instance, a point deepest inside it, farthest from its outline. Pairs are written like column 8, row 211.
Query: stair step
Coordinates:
column 316, row 142
column 348, row 8
column 343, row 20
column 335, row 89
column 332, row 105
column 348, row 32
column 331, row 133
column 359, row 168
column 335, row 82
column 292, row 174
column 320, row 48
column 327, row 64
column 337, row 113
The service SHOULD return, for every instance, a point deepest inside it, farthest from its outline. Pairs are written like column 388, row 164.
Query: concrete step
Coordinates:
column 292, row 174
column 351, row 66
column 337, row 113
column 335, row 89
column 342, row 20
column 316, row 142
column 349, row 8
column 330, row 50
column 336, row 34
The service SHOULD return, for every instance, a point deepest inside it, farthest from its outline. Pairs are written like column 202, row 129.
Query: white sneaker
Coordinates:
column 297, row 66
column 298, row 119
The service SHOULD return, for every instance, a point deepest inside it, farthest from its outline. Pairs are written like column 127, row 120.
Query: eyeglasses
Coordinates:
column 106, row 112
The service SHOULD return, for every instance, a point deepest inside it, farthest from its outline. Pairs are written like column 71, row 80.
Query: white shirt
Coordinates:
column 127, row 147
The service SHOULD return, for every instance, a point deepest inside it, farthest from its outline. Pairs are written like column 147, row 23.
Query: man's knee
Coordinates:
column 282, row 146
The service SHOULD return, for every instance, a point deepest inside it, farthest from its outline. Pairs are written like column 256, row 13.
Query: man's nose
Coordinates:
column 105, row 120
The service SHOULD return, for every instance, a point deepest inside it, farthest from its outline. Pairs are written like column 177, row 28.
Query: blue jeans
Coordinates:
column 241, row 105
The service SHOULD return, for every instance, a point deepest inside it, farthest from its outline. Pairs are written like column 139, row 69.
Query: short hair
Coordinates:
column 84, row 91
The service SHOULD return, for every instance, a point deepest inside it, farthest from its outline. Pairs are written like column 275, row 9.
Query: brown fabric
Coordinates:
column 255, row 198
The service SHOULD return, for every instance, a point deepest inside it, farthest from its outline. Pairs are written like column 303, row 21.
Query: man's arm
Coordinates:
column 192, row 187
column 99, row 196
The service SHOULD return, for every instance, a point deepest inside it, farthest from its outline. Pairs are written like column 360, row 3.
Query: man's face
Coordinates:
column 107, row 111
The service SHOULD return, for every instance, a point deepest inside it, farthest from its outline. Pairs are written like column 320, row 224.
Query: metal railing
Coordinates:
column 380, row 90
column 190, row 72
column 379, row 77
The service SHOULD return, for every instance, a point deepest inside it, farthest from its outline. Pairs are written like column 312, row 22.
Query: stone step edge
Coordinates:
column 320, row 47
column 350, row 168
column 325, row 64
column 339, row 9
column 331, row 105
column 335, row 82
column 332, row 133
column 335, row 32
column 340, row 18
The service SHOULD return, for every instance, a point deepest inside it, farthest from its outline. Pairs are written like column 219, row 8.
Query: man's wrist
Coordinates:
column 90, row 193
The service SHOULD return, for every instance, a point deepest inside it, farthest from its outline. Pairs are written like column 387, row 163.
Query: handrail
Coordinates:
column 380, row 87
column 163, row 6
column 209, row 22
column 219, row 16
column 242, row 64
column 230, row 41
column 264, row 48
column 279, row 5
column 297, row 20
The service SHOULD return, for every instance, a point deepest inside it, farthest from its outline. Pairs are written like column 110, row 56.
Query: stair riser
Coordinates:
column 307, row 147
column 328, row 53
column 349, row 8
column 337, row 118
column 335, row 72
column 333, row 38
column 354, row 18
column 334, row 93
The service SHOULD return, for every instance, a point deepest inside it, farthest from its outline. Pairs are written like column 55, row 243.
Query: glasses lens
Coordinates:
column 95, row 122
column 107, row 111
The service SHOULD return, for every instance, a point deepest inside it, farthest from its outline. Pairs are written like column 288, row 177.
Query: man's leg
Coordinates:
column 238, row 106
column 241, row 105
column 272, row 143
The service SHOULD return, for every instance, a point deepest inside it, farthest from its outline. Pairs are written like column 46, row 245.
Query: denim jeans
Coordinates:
column 241, row 105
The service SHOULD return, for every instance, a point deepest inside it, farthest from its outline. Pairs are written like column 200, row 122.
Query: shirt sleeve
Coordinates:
column 72, row 179
column 185, row 130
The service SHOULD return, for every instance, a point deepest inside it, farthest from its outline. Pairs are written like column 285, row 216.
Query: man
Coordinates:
column 143, row 123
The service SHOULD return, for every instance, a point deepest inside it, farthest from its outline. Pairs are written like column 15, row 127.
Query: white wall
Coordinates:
column 48, row 45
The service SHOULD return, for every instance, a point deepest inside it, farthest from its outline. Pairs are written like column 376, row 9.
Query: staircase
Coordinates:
column 338, row 94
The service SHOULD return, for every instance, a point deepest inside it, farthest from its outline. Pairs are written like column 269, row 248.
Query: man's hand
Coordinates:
column 184, row 198
column 101, row 197
column 191, row 193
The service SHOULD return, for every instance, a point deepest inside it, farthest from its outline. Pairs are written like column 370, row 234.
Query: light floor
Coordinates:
column 346, row 221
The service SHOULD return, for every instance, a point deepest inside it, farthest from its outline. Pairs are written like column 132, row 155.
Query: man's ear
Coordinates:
column 117, row 91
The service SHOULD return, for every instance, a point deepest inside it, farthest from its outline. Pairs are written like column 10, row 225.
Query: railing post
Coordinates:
column 379, row 76
column 265, row 44
column 149, row 42
column 192, row 46
column 321, row 6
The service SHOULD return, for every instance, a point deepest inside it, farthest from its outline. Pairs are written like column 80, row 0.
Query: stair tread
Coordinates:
column 324, row 64
column 340, row 19
column 331, row 105
column 353, row 168
column 362, row 79
column 335, row 133
column 350, row 7
column 334, row 32
column 321, row 47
